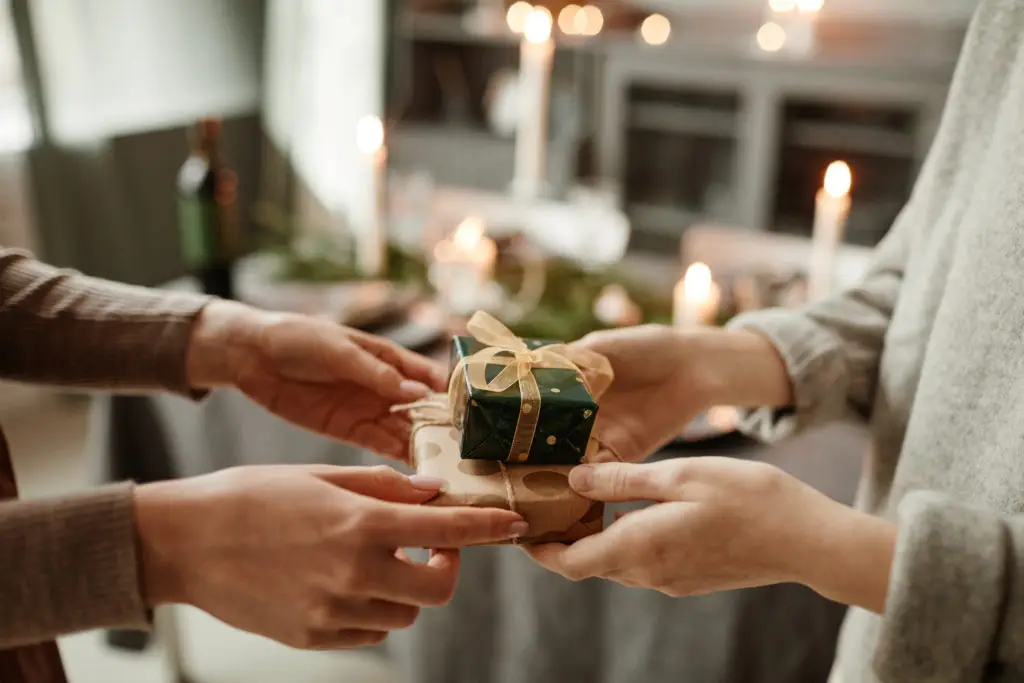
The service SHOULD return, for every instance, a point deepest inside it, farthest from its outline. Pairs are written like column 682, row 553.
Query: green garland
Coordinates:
column 565, row 310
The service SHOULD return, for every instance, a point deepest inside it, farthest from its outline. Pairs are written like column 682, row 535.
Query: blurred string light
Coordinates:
column 567, row 19
column 656, row 29
column 516, row 15
column 771, row 37
column 782, row 6
column 589, row 21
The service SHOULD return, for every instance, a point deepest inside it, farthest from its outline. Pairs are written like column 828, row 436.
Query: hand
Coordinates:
column 326, row 377
column 308, row 556
column 664, row 378
column 655, row 394
column 723, row 524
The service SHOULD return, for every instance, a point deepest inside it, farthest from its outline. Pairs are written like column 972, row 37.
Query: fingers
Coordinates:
column 597, row 555
column 412, row 365
column 447, row 527
column 371, row 615
column 343, row 640
column 354, row 363
column 428, row 585
column 383, row 483
column 617, row 482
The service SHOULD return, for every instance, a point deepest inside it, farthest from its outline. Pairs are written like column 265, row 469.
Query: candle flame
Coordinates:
column 697, row 282
column 838, row 179
column 771, row 37
column 656, row 29
column 369, row 134
column 469, row 234
column 517, row 14
column 782, row 6
column 537, row 28
column 810, row 6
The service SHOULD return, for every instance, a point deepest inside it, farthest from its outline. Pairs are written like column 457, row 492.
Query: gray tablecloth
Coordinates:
column 510, row 621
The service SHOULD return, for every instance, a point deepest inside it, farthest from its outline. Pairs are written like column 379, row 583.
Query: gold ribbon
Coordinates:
column 505, row 348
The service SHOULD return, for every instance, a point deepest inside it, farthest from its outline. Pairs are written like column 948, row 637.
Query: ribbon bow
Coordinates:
column 505, row 348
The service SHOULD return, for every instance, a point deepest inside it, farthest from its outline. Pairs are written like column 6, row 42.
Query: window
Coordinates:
column 15, row 122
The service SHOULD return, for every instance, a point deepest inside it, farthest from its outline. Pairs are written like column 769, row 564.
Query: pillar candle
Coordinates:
column 831, row 209
column 372, row 241
column 536, row 53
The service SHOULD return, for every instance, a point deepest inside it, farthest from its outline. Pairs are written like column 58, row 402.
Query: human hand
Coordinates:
column 655, row 394
column 307, row 556
column 664, row 378
column 723, row 524
column 320, row 375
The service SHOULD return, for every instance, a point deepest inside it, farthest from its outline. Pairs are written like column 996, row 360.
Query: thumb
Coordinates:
column 619, row 482
column 382, row 482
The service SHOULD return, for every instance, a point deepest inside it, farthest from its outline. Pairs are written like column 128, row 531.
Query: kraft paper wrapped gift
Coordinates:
column 514, row 373
column 541, row 494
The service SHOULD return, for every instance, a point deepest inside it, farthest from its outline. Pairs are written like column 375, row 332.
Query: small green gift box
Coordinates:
column 559, row 407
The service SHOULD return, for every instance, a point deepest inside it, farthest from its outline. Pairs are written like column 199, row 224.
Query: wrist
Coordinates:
column 222, row 337
column 161, row 530
column 851, row 557
column 736, row 368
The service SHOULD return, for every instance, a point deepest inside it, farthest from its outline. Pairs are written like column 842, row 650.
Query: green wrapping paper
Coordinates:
column 486, row 420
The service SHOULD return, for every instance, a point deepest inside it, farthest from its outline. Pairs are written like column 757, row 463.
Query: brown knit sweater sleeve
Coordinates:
column 60, row 327
column 71, row 564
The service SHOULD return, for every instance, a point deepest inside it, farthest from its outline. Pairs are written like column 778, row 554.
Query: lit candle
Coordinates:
column 535, row 57
column 696, row 298
column 372, row 245
column 831, row 209
column 463, row 267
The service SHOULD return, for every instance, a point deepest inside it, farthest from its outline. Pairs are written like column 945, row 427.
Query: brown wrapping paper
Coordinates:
column 541, row 494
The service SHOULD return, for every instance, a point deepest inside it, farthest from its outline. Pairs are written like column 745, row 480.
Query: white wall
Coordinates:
column 324, row 70
column 121, row 66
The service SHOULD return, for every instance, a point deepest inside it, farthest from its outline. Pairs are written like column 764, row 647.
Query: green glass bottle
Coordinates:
column 208, row 212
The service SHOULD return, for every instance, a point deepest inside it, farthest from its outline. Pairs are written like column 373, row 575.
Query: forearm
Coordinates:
column 60, row 327
column 739, row 368
column 68, row 565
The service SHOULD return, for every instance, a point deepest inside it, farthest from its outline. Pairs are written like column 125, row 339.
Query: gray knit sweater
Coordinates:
column 930, row 347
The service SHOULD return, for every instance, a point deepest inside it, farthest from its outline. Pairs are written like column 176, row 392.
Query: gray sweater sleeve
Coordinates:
column 832, row 349
column 955, row 607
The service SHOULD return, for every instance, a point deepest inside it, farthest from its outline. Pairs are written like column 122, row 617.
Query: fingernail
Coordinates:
column 581, row 478
column 424, row 483
column 413, row 388
column 518, row 530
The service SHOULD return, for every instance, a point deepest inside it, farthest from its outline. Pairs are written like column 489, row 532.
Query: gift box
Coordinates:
column 523, row 401
column 541, row 494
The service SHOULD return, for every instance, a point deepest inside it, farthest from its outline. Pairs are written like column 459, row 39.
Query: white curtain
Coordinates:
column 111, row 67
column 324, row 70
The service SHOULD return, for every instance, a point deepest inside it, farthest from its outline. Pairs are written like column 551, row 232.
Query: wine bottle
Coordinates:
column 208, row 215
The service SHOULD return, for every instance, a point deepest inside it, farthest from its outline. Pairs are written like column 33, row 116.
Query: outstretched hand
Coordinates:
column 307, row 555
column 317, row 374
column 721, row 524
